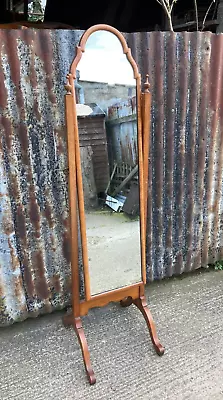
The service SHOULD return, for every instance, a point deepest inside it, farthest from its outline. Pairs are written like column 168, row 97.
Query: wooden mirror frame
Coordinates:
column 132, row 294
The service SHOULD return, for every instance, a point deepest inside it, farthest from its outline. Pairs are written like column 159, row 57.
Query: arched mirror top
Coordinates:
column 80, row 49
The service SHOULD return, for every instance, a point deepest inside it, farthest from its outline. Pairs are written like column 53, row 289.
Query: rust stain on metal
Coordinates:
column 61, row 134
column 56, row 283
column 60, row 146
column 23, row 136
column 41, row 286
column 7, row 126
column 13, row 256
column 36, row 110
column 34, row 213
column 33, row 161
column 66, row 222
column 66, row 246
column 186, row 158
column 18, row 286
column 185, row 214
column 3, row 91
column 21, row 223
column 29, row 176
column 49, row 215
column 11, row 49
column 14, row 186
column 28, row 277
column 44, row 50
column 7, row 225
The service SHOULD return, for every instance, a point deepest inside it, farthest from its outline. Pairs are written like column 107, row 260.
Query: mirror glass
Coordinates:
column 107, row 119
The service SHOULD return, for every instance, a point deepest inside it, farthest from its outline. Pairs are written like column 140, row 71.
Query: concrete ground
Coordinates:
column 40, row 359
column 114, row 250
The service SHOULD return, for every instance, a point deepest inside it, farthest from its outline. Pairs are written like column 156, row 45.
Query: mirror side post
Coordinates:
column 72, row 187
column 74, row 318
column 146, row 123
column 80, row 193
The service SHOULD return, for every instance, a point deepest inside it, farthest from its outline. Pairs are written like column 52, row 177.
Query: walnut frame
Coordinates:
column 132, row 293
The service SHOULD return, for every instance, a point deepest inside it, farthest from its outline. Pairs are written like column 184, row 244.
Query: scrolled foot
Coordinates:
column 142, row 306
column 84, row 348
column 91, row 377
column 159, row 349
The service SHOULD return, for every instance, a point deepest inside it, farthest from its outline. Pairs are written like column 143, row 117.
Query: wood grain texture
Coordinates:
column 142, row 306
column 141, row 180
column 70, row 79
column 116, row 295
column 69, row 320
column 72, row 201
column 146, row 115
column 133, row 294
column 80, row 194
column 103, row 27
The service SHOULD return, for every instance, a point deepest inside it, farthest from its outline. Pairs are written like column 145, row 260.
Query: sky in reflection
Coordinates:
column 104, row 61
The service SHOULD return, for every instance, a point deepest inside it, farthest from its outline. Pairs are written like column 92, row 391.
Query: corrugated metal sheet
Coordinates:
column 185, row 189
column 185, row 228
column 34, row 235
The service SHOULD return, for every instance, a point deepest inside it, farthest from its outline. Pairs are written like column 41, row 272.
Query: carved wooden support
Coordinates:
column 68, row 86
column 69, row 320
column 142, row 306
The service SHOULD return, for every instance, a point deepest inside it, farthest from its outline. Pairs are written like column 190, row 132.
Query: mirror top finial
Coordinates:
column 147, row 84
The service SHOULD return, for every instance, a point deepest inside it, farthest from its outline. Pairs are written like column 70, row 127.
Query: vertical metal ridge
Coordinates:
column 215, row 93
column 202, row 142
column 191, row 161
column 218, row 161
column 34, row 150
column 157, row 191
column 185, row 208
column 170, row 101
column 193, row 85
column 179, row 153
column 12, row 297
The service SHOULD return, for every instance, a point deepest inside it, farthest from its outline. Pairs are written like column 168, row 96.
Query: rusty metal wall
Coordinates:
column 34, row 232
column 185, row 228
column 185, row 223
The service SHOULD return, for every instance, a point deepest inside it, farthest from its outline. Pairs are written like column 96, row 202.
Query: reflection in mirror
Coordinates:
column 107, row 119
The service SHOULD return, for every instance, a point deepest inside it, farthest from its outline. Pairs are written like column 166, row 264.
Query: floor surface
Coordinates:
column 40, row 359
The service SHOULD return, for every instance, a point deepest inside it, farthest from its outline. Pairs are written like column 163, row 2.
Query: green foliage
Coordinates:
column 36, row 8
column 218, row 266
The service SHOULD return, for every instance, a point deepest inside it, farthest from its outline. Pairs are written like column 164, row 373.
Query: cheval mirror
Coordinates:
column 108, row 124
